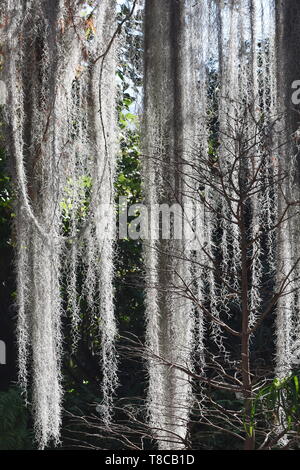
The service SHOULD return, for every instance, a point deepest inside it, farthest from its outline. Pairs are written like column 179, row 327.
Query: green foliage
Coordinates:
column 81, row 397
column 14, row 430
column 6, row 199
column 82, row 372
column 129, row 291
column 82, row 188
column 278, row 403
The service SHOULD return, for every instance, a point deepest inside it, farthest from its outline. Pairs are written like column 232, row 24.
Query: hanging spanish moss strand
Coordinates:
column 168, row 123
column 102, row 132
column 152, row 181
column 71, row 207
column 193, row 73
column 229, row 57
column 23, row 289
column 253, row 138
column 194, row 145
column 160, row 28
column 267, row 147
column 271, row 203
column 60, row 74
column 41, row 244
column 262, row 164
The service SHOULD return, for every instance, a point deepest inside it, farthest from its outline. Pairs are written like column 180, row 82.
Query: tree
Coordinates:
column 231, row 377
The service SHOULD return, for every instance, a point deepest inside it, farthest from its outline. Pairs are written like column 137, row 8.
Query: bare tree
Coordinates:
column 235, row 189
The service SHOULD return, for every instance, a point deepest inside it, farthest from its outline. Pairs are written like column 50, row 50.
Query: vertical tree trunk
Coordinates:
column 245, row 346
